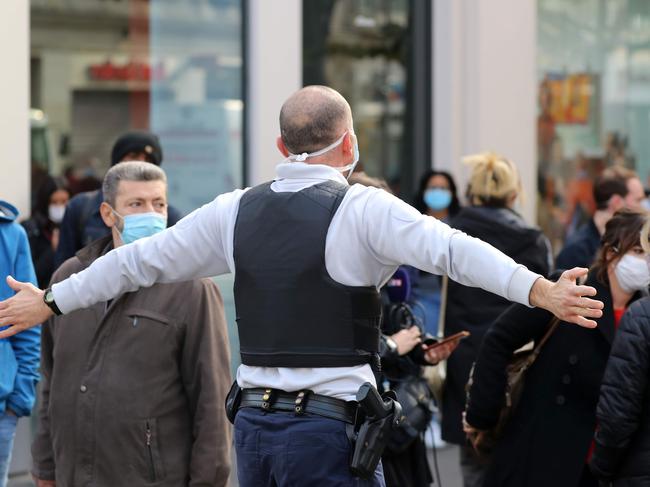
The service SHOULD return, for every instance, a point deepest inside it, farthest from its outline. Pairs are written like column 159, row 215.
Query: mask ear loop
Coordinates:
column 305, row 155
column 117, row 228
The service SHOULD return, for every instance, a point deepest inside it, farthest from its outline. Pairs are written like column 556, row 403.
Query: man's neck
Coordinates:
column 601, row 217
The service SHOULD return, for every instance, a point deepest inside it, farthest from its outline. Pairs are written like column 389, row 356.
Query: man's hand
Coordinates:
column 24, row 310
column 43, row 483
column 406, row 339
column 566, row 299
column 438, row 354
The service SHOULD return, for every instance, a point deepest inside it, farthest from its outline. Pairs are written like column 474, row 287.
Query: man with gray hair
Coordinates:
column 309, row 253
column 133, row 385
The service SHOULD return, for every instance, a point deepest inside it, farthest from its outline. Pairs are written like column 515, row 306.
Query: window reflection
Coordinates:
column 359, row 47
column 594, row 106
column 101, row 68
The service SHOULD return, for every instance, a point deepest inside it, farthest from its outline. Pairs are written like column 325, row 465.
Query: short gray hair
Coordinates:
column 129, row 171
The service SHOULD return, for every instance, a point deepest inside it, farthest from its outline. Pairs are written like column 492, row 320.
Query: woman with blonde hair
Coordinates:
column 493, row 189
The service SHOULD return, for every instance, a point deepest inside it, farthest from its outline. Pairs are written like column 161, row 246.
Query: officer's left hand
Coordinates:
column 438, row 354
column 567, row 300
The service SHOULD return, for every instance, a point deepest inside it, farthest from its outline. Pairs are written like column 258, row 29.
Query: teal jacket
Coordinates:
column 19, row 354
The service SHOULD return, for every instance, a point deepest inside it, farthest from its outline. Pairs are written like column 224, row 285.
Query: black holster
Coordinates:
column 233, row 399
column 381, row 415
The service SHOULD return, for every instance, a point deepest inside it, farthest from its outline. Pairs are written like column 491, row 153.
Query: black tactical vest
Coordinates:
column 290, row 312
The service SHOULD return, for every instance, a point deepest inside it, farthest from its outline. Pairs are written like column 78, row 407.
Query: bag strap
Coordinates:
column 553, row 324
column 443, row 306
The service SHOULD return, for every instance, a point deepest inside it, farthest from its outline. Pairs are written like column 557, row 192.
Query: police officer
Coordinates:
column 309, row 253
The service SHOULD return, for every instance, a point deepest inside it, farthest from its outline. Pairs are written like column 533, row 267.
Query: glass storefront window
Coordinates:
column 594, row 106
column 364, row 49
column 104, row 67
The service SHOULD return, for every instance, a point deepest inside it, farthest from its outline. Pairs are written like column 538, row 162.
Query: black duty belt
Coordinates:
column 300, row 402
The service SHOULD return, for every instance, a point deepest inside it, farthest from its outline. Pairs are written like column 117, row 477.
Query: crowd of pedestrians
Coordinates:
column 134, row 355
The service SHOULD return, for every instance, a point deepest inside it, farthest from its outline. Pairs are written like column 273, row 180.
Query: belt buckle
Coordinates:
column 267, row 399
column 300, row 403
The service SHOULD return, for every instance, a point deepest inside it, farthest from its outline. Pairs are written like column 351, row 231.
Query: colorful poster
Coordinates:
column 569, row 97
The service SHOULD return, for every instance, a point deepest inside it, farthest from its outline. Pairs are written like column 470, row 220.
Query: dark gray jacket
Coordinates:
column 133, row 391
column 623, row 436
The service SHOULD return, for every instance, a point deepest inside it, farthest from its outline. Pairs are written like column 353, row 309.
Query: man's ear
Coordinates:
column 281, row 147
column 616, row 202
column 348, row 143
column 107, row 214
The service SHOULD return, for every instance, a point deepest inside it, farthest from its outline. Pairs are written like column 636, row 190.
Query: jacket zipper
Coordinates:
column 152, row 470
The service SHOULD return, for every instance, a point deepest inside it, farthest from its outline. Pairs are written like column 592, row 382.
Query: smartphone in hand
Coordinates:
column 434, row 344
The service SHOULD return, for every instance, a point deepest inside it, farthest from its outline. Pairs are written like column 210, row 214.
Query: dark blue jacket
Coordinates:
column 581, row 249
column 19, row 354
column 82, row 224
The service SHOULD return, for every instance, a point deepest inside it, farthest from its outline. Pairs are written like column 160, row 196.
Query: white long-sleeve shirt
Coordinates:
column 370, row 235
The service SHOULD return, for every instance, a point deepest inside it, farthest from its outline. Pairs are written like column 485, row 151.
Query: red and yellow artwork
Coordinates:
column 568, row 97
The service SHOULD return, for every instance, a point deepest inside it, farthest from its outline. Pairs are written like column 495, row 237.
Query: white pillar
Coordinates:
column 485, row 57
column 15, row 165
column 274, row 66
column 14, row 100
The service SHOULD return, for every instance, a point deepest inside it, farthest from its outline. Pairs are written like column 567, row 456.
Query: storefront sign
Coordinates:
column 131, row 71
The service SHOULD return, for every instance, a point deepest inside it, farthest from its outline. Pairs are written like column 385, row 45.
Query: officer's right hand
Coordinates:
column 23, row 310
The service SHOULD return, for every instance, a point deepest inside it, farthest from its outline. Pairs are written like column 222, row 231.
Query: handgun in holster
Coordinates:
column 382, row 414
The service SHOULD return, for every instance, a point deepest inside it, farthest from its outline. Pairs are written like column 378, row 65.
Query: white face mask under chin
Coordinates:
column 632, row 273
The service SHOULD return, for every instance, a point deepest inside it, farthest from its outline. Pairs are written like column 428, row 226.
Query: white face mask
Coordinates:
column 350, row 167
column 55, row 213
column 633, row 273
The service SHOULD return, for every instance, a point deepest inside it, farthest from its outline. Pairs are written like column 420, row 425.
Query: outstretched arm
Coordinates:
column 430, row 245
column 197, row 246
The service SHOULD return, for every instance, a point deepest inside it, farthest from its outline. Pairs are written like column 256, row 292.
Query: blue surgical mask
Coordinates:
column 437, row 198
column 141, row 225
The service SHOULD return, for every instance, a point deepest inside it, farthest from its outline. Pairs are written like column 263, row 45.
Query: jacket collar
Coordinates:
column 95, row 250
column 302, row 170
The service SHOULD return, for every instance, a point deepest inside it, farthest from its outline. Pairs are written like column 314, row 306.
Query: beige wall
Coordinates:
column 14, row 100
column 484, row 85
column 14, row 146
column 274, row 72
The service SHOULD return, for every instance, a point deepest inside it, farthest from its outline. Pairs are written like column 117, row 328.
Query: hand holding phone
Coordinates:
column 457, row 336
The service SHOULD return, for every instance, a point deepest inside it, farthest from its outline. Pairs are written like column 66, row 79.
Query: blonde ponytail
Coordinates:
column 494, row 179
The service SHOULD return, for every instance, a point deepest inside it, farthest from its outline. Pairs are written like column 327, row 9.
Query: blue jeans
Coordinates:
column 278, row 449
column 7, row 432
